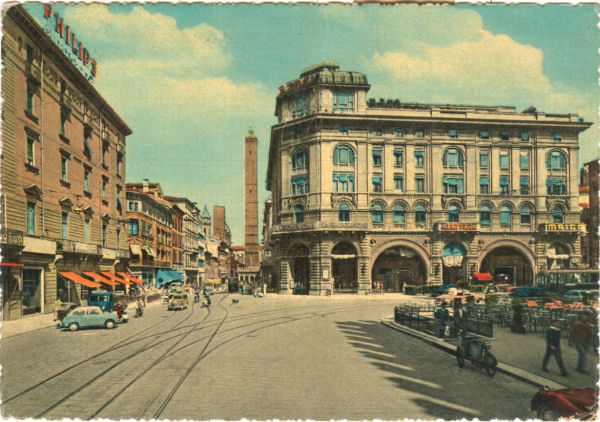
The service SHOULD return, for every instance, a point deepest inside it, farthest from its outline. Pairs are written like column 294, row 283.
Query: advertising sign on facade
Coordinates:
column 295, row 86
column 559, row 227
column 460, row 227
column 65, row 39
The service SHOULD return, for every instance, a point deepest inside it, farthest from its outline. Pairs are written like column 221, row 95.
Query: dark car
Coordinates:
column 441, row 289
column 527, row 292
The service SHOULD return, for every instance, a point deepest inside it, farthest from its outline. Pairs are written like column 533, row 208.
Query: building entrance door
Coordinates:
column 398, row 266
column 453, row 256
column 344, row 267
column 300, row 269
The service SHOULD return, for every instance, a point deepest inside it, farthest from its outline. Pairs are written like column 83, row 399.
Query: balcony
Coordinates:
column 66, row 103
column 34, row 74
column 11, row 238
column 71, row 246
column 123, row 254
column 106, row 136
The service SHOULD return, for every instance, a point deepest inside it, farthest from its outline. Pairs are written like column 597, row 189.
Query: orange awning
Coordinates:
column 115, row 278
column 98, row 277
column 131, row 278
column 78, row 279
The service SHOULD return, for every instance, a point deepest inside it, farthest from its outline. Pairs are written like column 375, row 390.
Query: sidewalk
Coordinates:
column 520, row 356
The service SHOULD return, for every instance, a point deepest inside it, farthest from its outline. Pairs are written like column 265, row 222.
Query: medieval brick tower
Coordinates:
column 251, row 258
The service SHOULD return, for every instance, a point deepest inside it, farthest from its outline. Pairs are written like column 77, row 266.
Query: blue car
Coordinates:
column 88, row 316
column 527, row 292
column 440, row 290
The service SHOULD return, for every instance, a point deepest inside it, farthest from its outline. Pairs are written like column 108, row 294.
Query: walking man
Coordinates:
column 57, row 306
column 580, row 336
column 552, row 338
column 441, row 316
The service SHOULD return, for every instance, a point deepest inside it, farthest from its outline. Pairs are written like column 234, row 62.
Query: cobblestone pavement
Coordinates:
column 262, row 358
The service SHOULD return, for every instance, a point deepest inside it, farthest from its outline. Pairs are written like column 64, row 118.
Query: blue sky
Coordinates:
column 191, row 79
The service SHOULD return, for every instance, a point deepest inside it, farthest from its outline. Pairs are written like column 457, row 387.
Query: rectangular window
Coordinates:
column 343, row 101
column 63, row 168
column 31, row 218
column 64, row 221
column 104, row 183
column 557, row 162
column 29, row 92
column 104, row 235
column 483, row 159
column 484, row 185
column 86, row 180
column 524, row 185
column 398, row 182
column 524, row 160
column 504, row 185
column 376, row 131
column 343, row 129
column 86, row 144
column 86, row 230
column 525, row 136
column 556, row 186
column 343, row 182
column 134, row 227
column 377, row 184
column 29, row 52
column 419, row 133
column 504, row 136
column 63, row 119
column 377, row 158
column 453, row 133
column 30, row 151
column 398, row 133
column 299, row 185
column 31, row 294
column 118, row 236
column 419, row 160
column 119, row 206
column 143, row 228
column 452, row 158
column 452, row 184
column 119, row 163
column 556, row 136
column 398, row 158
column 503, row 160
column 420, row 184
column 104, row 153
column 484, row 134
column 297, row 134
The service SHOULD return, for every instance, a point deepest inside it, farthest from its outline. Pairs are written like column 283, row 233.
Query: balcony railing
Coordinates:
column 71, row 246
column 33, row 73
column 11, row 237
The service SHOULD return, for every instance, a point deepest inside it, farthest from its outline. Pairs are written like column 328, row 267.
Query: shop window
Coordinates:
column 557, row 214
column 31, row 293
column 398, row 214
column 504, row 215
column 524, row 185
column 525, row 213
column 398, row 182
column 31, row 218
column 453, row 214
column 398, row 158
column 343, row 155
column 484, row 185
column 298, row 213
column 420, row 214
column 376, row 184
column 376, row 213
column 344, row 212
column 485, row 215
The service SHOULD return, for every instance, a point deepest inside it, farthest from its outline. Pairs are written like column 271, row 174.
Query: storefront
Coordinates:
column 454, row 263
column 398, row 266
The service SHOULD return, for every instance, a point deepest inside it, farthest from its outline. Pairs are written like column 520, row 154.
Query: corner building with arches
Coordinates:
column 396, row 194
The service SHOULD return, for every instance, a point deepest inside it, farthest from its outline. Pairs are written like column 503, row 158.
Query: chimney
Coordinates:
column 145, row 185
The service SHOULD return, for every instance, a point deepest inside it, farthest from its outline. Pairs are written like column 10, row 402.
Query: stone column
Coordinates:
column 286, row 281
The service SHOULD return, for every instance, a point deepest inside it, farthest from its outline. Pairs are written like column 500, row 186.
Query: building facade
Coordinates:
column 190, row 237
column 63, row 174
column 408, row 194
column 588, row 201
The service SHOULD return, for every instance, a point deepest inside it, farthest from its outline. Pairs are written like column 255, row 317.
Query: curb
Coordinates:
column 509, row 370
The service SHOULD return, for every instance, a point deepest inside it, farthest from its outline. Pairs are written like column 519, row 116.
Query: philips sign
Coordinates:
column 66, row 40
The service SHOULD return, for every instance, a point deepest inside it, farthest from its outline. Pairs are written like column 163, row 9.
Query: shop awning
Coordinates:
column 135, row 249
column 131, row 278
column 10, row 264
column 98, row 277
column 115, row 278
column 482, row 276
column 150, row 251
column 78, row 279
column 213, row 281
column 166, row 276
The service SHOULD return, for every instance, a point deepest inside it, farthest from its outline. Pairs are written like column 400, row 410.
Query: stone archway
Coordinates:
column 398, row 265
column 300, row 267
column 508, row 262
column 344, row 265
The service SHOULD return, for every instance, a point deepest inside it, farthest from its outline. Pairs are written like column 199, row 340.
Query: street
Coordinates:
column 262, row 358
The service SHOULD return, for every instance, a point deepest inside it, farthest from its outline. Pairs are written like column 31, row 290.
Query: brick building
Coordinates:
column 588, row 200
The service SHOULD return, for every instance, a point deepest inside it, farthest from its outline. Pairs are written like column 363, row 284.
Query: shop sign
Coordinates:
column 65, row 39
column 557, row 227
column 297, row 85
column 458, row 227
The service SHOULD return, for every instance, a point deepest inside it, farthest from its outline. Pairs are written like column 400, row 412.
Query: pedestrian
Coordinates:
column 580, row 336
column 57, row 305
column 459, row 317
column 552, row 337
column 242, row 288
column 440, row 316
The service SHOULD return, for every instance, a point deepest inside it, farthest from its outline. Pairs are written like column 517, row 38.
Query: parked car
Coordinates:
column 456, row 294
column 178, row 301
column 88, row 316
column 527, row 292
column 574, row 296
column 441, row 289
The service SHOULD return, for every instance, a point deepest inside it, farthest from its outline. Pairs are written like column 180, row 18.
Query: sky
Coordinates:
column 191, row 79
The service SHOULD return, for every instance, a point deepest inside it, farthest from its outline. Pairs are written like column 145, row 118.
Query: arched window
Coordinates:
column 376, row 213
column 452, row 158
column 420, row 214
column 299, row 159
column 556, row 160
column 298, row 213
column 344, row 212
column 504, row 214
column 453, row 214
column 557, row 214
column 398, row 214
column 484, row 215
column 525, row 213
column 343, row 155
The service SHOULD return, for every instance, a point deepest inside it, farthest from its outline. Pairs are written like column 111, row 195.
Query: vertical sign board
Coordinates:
column 66, row 40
